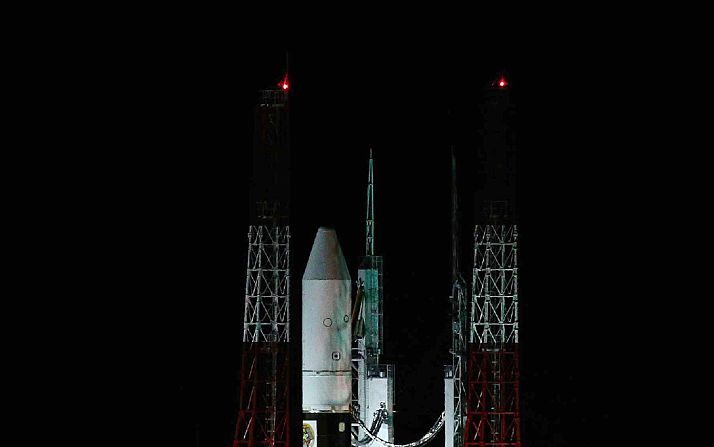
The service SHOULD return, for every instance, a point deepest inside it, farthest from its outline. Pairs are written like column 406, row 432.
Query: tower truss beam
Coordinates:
column 267, row 289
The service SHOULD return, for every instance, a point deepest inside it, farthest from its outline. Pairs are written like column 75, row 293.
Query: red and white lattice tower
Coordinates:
column 493, row 396
column 264, row 400
column 493, row 413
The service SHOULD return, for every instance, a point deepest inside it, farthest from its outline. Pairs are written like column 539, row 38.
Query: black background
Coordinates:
column 183, row 152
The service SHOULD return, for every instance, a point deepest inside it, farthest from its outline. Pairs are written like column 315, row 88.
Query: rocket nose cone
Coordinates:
column 326, row 260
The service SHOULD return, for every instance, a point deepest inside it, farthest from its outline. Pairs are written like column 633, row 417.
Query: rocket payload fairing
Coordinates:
column 327, row 341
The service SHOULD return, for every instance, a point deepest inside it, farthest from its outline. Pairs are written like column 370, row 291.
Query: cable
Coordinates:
column 438, row 425
column 379, row 417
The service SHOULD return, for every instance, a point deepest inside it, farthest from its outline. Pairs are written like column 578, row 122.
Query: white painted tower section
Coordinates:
column 326, row 328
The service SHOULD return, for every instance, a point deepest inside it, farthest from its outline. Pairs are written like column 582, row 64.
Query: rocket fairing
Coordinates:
column 326, row 328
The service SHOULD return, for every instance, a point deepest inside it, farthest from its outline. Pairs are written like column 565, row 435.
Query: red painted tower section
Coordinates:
column 493, row 410
column 264, row 416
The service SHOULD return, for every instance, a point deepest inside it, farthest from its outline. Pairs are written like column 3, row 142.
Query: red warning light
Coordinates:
column 284, row 83
column 502, row 82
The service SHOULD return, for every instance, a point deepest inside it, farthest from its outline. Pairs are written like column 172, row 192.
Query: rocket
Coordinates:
column 326, row 344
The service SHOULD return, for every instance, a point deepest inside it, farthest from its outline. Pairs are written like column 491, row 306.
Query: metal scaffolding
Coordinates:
column 493, row 414
column 267, row 287
column 263, row 417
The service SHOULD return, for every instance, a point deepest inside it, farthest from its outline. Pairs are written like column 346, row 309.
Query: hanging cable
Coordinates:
column 379, row 417
column 438, row 425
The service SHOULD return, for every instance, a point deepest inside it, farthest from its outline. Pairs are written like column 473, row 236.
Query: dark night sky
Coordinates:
column 393, row 95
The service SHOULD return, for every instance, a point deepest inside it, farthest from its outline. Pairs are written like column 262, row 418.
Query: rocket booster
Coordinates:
column 326, row 328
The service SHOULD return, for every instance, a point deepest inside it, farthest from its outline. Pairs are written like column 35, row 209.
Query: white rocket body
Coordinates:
column 326, row 328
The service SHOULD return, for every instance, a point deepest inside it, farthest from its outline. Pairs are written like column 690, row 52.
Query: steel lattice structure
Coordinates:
column 267, row 288
column 264, row 403
column 263, row 418
column 493, row 413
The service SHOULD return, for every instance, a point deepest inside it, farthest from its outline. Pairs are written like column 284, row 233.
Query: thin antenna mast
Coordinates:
column 370, row 208
column 455, row 272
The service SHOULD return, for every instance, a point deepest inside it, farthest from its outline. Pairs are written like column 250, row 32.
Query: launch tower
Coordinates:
column 493, row 398
column 263, row 413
